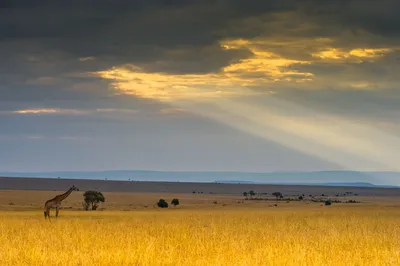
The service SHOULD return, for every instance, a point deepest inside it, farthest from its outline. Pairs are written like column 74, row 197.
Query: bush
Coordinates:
column 175, row 202
column 277, row 194
column 328, row 203
column 352, row 201
column 162, row 203
column 301, row 198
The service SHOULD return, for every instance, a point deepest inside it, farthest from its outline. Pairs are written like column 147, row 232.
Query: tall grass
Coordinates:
column 328, row 236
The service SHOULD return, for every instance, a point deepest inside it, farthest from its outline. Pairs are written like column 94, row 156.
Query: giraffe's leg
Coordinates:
column 57, row 209
column 48, row 212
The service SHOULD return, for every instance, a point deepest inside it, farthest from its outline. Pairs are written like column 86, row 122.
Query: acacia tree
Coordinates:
column 93, row 198
column 175, row 202
column 245, row 194
column 277, row 195
column 252, row 193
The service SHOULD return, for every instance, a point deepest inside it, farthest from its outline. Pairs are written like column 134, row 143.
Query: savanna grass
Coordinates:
column 325, row 236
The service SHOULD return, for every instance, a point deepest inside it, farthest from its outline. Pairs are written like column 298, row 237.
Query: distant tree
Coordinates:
column 245, row 194
column 277, row 195
column 93, row 198
column 328, row 203
column 301, row 198
column 252, row 193
column 162, row 203
column 175, row 202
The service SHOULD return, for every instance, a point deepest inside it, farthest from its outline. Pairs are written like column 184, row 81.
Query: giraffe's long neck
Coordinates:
column 65, row 195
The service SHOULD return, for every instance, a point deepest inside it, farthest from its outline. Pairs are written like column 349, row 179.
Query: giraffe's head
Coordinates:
column 75, row 188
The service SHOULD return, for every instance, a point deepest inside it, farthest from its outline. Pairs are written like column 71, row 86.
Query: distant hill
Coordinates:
column 233, row 182
column 354, row 184
column 325, row 178
column 359, row 184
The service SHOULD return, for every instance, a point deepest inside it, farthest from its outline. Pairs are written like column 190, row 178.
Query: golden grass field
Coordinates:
column 200, row 233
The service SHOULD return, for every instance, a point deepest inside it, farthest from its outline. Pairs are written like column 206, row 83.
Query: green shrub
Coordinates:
column 175, row 202
column 162, row 203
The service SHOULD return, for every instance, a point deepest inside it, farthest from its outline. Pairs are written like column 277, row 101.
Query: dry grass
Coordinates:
column 294, row 235
column 34, row 200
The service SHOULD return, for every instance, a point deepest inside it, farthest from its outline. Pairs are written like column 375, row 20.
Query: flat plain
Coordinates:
column 209, row 227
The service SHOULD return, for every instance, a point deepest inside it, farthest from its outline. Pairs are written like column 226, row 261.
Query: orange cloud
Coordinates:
column 262, row 69
column 73, row 111
column 267, row 68
column 36, row 111
column 359, row 54
column 82, row 59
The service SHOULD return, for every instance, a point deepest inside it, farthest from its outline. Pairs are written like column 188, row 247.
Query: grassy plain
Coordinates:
column 198, row 233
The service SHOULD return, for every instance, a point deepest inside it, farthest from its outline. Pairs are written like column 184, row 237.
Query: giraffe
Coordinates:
column 56, row 202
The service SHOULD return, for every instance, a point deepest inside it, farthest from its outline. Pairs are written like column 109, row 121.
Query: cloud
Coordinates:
column 164, row 87
column 355, row 55
column 263, row 71
column 47, row 111
column 159, row 38
column 113, row 113
column 73, row 138
column 35, row 137
column 83, row 59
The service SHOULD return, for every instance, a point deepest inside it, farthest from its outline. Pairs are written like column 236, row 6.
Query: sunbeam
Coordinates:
column 352, row 144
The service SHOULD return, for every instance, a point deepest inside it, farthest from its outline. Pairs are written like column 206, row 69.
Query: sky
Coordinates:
column 257, row 86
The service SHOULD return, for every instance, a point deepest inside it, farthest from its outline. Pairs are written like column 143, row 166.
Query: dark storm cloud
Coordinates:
column 127, row 31
column 42, row 41
column 143, row 31
column 377, row 17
